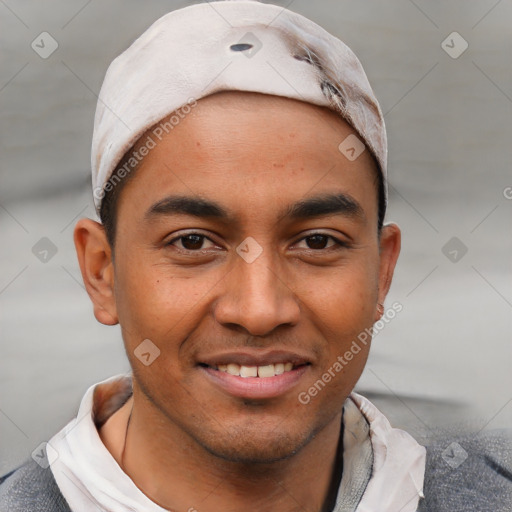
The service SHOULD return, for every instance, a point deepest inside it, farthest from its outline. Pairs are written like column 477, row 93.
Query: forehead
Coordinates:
column 241, row 147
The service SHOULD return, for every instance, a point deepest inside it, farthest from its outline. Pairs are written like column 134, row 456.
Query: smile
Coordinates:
column 257, row 382
column 266, row 371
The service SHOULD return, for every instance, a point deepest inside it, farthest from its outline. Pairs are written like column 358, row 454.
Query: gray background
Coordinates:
column 445, row 357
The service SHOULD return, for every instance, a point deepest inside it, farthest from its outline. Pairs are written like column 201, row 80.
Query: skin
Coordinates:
column 189, row 443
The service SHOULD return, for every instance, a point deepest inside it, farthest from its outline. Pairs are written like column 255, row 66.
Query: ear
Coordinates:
column 96, row 265
column 389, row 250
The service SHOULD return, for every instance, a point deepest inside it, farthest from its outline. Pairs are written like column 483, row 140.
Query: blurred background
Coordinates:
column 442, row 73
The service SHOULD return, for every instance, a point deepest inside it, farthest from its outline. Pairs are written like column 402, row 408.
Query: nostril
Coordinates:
column 240, row 47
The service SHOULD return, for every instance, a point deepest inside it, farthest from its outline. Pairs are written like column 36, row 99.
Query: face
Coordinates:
column 247, row 243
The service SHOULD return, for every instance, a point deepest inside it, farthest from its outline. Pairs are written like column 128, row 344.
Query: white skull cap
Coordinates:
column 240, row 45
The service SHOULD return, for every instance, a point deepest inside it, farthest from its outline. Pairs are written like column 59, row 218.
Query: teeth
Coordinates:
column 279, row 368
column 248, row 371
column 269, row 370
column 266, row 371
column 233, row 369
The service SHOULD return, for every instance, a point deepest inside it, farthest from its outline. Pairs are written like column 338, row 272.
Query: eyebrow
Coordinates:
column 317, row 206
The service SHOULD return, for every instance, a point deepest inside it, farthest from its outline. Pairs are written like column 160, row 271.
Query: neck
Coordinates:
column 178, row 474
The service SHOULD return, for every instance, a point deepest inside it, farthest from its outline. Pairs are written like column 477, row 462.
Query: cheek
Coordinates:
column 155, row 301
column 346, row 295
column 344, row 320
column 342, row 310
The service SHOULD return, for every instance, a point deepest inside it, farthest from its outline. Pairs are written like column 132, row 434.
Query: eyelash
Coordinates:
column 338, row 243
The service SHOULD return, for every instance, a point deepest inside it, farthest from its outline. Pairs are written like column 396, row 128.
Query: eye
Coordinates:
column 191, row 242
column 195, row 242
column 318, row 241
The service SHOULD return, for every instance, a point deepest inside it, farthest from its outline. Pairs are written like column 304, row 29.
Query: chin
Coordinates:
column 252, row 439
column 247, row 450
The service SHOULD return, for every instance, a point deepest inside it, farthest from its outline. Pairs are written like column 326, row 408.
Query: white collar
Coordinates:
column 398, row 467
column 90, row 478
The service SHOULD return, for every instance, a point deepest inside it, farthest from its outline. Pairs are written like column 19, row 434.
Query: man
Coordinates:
column 239, row 170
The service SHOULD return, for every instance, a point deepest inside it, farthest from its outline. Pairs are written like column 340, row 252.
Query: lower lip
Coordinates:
column 256, row 387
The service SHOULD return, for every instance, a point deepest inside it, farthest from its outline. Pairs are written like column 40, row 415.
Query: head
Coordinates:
column 244, row 232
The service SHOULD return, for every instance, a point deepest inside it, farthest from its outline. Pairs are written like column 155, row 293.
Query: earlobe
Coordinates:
column 96, row 265
column 389, row 250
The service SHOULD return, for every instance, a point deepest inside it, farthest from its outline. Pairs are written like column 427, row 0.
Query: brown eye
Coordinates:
column 317, row 241
column 320, row 241
column 190, row 242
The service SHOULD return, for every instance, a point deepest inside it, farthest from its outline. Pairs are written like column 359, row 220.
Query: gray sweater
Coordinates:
column 482, row 482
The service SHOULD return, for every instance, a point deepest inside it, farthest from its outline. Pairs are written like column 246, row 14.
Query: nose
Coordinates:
column 256, row 298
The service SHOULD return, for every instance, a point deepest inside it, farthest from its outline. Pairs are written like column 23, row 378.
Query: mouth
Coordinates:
column 255, row 377
column 261, row 371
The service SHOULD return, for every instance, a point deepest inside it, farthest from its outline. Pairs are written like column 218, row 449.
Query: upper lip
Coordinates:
column 251, row 358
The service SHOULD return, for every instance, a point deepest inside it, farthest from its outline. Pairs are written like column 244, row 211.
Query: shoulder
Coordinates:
column 469, row 472
column 31, row 488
